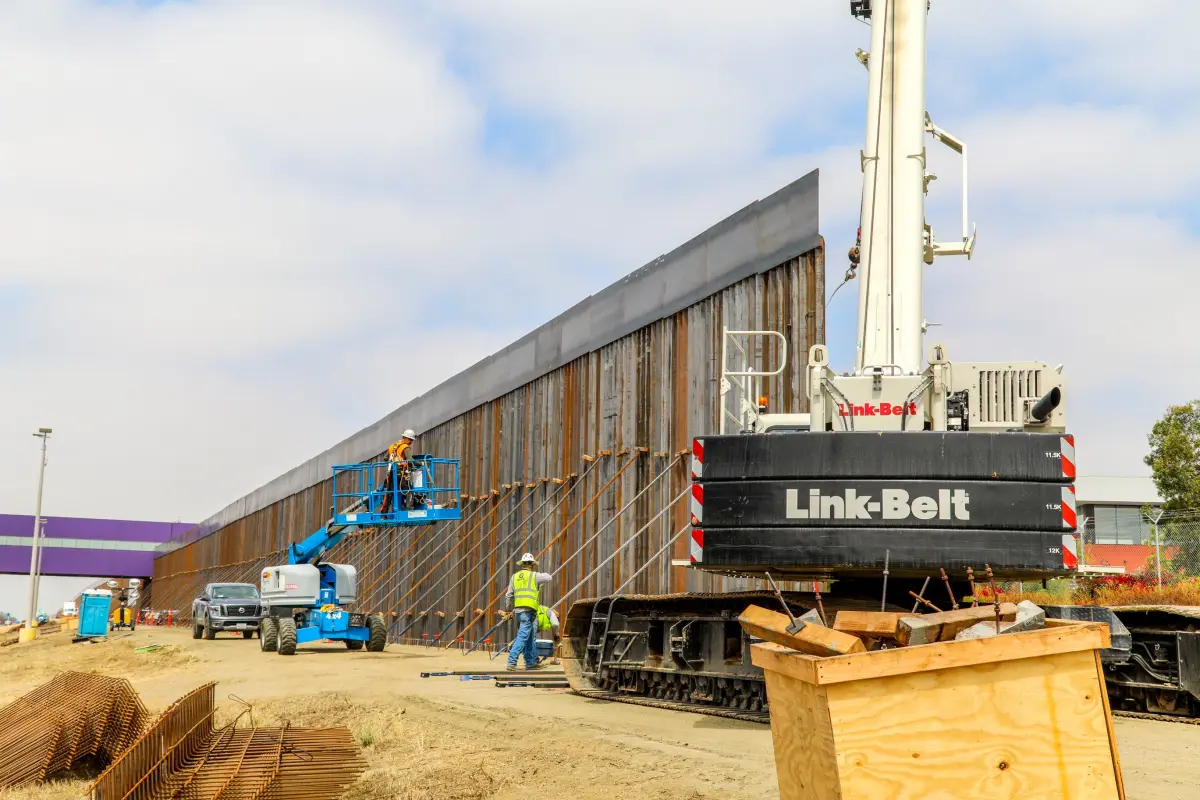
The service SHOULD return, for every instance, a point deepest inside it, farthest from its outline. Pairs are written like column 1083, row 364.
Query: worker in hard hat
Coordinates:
column 398, row 454
column 547, row 625
column 524, row 598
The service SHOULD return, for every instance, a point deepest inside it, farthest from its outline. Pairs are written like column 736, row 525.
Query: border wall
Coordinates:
column 574, row 441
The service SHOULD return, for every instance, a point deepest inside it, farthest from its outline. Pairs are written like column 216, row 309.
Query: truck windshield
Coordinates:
column 233, row 592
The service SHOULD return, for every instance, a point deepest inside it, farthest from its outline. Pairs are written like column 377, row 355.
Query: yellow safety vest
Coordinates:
column 525, row 589
column 543, row 622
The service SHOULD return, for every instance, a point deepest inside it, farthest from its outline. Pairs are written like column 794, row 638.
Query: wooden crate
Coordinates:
column 1022, row 715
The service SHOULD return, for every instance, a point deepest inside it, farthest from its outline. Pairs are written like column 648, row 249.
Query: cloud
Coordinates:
column 235, row 233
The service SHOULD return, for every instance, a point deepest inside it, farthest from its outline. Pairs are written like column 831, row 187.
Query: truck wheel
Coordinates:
column 378, row 634
column 287, row 636
column 354, row 644
column 197, row 631
column 247, row 634
column 209, row 631
column 268, row 635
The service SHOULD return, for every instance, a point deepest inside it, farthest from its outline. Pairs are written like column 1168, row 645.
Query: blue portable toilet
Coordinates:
column 94, row 612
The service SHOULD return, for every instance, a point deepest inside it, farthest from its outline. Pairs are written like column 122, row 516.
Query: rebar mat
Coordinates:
column 182, row 755
column 72, row 717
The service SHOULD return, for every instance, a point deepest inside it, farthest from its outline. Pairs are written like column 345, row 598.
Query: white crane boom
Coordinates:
column 891, row 386
column 891, row 267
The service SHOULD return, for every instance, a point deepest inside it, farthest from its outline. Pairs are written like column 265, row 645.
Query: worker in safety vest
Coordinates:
column 524, row 597
column 547, row 625
column 398, row 454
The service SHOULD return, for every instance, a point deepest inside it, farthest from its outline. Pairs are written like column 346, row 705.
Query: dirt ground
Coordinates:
column 435, row 738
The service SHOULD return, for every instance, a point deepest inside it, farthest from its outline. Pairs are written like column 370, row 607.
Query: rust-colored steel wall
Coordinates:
column 579, row 463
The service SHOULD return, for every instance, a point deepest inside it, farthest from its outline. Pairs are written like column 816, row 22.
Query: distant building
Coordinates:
column 1110, row 514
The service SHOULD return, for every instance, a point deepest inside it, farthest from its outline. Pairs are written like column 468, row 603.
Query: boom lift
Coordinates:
column 898, row 469
column 306, row 599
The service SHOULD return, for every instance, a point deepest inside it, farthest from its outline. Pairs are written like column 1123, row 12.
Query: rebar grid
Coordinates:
column 72, row 717
column 182, row 756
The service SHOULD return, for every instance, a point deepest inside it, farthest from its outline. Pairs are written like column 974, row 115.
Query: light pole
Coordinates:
column 41, row 554
column 1157, row 547
column 29, row 631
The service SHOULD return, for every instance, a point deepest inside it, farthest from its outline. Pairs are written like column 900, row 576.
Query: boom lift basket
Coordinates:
column 419, row 491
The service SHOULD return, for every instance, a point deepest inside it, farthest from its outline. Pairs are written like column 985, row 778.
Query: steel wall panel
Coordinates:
column 641, row 397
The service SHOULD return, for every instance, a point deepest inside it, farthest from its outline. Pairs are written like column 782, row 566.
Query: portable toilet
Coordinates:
column 94, row 611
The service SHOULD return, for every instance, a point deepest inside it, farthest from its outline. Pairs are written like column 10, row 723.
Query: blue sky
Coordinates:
column 212, row 209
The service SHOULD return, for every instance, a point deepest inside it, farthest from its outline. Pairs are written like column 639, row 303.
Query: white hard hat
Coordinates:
column 408, row 434
column 528, row 559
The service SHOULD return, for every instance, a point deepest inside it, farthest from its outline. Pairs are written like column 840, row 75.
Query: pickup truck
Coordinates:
column 232, row 607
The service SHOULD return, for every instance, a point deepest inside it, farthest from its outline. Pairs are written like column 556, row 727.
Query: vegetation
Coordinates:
column 1175, row 457
column 1140, row 589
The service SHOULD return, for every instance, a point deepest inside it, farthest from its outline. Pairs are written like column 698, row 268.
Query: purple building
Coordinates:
column 109, row 548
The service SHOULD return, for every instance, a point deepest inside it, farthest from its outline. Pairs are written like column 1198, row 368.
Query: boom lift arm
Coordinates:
column 306, row 598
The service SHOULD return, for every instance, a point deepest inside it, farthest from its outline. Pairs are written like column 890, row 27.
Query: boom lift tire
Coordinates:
column 378, row 634
column 354, row 644
column 268, row 635
column 209, row 631
column 287, row 636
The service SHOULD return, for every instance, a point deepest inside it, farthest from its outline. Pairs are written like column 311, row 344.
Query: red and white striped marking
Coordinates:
column 1067, row 448
column 696, row 546
column 1070, row 551
column 1068, row 506
column 697, row 458
column 697, row 503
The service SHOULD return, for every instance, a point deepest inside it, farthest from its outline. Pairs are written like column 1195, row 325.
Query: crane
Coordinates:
column 899, row 467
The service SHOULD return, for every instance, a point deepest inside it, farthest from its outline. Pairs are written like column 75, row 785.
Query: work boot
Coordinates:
column 538, row 665
column 511, row 668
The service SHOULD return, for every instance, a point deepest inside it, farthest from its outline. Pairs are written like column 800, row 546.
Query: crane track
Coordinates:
column 1157, row 717
column 761, row 717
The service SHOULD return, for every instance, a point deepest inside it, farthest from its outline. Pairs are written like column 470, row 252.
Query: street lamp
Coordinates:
column 29, row 631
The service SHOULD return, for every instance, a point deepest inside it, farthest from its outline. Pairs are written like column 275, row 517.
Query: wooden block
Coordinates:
column 1032, row 706
column 1069, row 638
column 944, row 626
column 813, row 639
column 873, row 624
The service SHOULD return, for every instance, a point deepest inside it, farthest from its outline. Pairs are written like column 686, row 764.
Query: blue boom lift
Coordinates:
column 306, row 598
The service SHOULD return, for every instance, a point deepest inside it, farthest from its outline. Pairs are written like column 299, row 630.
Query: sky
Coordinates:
column 233, row 233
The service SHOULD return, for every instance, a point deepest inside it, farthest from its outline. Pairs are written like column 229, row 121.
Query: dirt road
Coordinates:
column 435, row 738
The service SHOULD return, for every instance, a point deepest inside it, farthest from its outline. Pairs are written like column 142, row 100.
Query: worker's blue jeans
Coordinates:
column 526, row 641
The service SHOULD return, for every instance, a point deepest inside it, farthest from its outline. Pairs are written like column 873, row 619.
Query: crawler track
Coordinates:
column 1157, row 717
column 763, row 717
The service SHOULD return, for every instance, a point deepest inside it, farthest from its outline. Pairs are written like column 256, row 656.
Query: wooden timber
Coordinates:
column 1020, row 715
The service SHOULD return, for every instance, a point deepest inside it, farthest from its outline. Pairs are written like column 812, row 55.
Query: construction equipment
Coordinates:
column 898, row 468
column 306, row 599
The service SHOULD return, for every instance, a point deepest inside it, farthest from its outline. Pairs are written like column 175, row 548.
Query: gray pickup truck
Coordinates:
column 227, row 607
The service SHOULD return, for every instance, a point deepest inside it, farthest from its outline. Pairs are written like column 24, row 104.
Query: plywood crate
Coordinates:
column 1021, row 715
